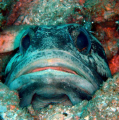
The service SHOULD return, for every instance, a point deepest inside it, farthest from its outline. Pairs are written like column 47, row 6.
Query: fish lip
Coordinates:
column 61, row 65
column 42, row 61
column 45, row 78
column 59, row 68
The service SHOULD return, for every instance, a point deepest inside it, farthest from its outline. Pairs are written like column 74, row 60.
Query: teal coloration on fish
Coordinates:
column 55, row 63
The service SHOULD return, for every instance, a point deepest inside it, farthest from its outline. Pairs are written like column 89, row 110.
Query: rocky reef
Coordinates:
column 5, row 8
column 100, row 17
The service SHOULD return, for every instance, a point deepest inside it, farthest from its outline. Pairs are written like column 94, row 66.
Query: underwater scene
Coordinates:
column 59, row 59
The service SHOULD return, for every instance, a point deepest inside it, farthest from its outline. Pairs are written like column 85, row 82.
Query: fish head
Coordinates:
column 57, row 63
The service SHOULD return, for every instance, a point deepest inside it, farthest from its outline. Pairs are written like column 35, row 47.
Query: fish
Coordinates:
column 56, row 64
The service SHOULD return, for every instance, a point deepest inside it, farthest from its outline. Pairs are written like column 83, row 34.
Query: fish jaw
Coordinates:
column 53, row 74
column 50, row 84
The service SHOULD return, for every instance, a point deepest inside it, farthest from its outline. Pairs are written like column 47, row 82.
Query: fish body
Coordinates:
column 55, row 63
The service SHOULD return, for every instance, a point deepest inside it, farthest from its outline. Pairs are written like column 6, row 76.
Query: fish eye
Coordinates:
column 25, row 41
column 83, row 42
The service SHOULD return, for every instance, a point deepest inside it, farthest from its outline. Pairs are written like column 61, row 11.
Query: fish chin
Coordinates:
column 39, row 102
column 50, row 86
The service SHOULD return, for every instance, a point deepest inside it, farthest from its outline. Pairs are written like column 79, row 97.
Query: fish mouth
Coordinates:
column 64, row 69
column 47, row 81
column 49, row 88
column 52, row 85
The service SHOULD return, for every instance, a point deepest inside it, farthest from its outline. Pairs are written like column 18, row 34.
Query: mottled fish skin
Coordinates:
column 49, row 65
